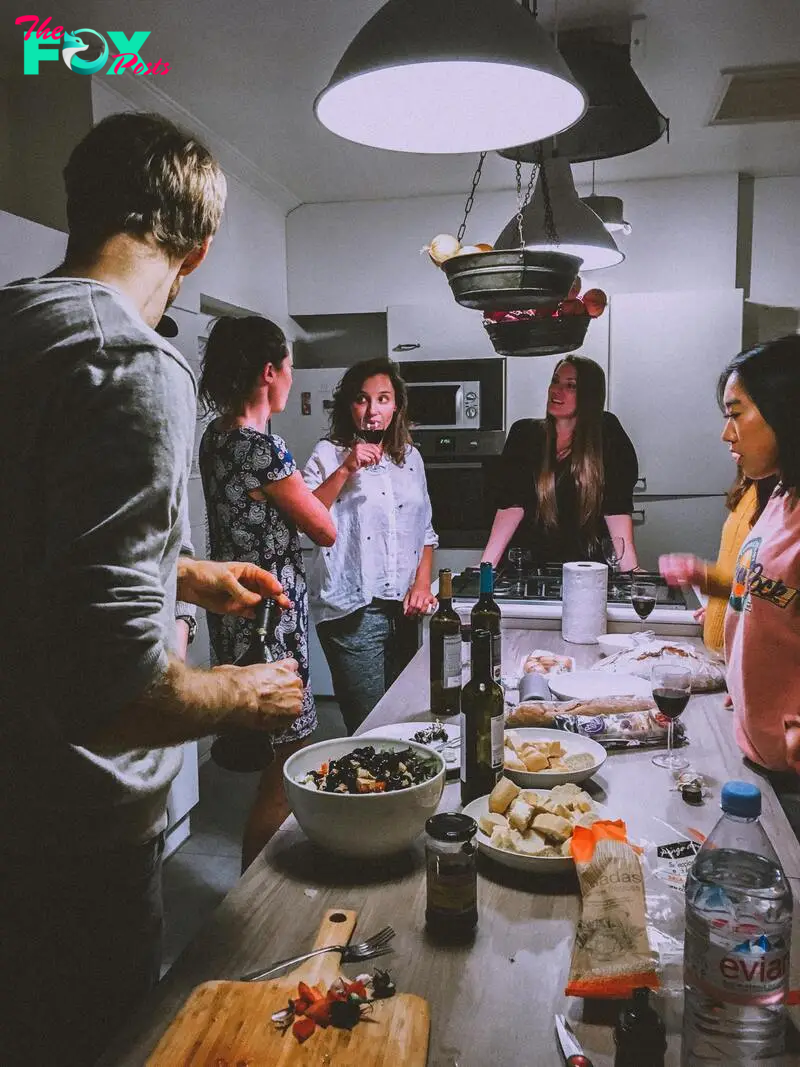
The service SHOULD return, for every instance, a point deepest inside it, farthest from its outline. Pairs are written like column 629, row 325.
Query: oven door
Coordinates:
column 444, row 405
column 462, row 500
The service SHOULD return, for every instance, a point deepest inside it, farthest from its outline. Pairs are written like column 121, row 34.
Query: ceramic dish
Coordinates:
column 450, row 750
column 583, row 685
column 611, row 643
column 534, row 864
column 573, row 743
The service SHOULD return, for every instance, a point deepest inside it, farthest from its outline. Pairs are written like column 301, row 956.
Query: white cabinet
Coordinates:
column 527, row 377
column 666, row 353
column 436, row 331
column 680, row 524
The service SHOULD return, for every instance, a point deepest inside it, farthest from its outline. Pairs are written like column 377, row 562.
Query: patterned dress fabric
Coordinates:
column 233, row 462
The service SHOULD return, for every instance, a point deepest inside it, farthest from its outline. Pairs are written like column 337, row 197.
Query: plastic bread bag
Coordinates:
column 612, row 955
column 707, row 670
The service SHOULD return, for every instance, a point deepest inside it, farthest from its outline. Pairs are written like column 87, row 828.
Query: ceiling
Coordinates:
column 250, row 70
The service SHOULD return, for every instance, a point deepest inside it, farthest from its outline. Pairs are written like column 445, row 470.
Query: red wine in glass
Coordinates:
column 671, row 702
column 371, row 437
column 672, row 687
column 643, row 605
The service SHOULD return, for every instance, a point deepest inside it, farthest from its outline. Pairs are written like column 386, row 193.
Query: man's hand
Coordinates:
column 269, row 696
column 227, row 588
column 418, row 600
column 792, row 726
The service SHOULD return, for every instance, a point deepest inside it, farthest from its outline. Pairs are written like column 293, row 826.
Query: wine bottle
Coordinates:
column 486, row 616
column 445, row 651
column 482, row 723
column 250, row 750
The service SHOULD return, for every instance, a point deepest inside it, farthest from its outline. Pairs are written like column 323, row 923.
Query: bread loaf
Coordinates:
column 540, row 712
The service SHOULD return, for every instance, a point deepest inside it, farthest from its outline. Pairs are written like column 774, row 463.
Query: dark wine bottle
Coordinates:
column 486, row 616
column 639, row 1035
column 482, row 723
column 445, row 652
column 250, row 750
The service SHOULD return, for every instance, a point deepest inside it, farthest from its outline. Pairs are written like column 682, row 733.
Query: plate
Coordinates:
column 583, row 685
column 573, row 743
column 404, row 731
column 534, row 864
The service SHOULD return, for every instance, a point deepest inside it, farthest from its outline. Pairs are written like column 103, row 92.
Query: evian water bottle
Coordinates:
column 738, row 933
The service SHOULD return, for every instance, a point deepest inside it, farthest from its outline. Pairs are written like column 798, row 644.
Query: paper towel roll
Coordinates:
column 583, row 607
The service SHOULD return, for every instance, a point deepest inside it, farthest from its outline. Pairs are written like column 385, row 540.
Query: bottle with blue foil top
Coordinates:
column 738, row 934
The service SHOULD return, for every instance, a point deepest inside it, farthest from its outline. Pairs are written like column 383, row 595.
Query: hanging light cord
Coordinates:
column 476, row 177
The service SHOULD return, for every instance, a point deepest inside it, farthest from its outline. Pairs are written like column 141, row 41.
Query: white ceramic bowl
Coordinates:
column 573, row 743
column 363, row 825
column 611, row 643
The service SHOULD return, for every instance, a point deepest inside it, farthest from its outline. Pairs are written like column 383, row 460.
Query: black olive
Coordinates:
column 345, row 1013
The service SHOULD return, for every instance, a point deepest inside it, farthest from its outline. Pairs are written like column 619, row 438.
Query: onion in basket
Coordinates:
column 443, row 246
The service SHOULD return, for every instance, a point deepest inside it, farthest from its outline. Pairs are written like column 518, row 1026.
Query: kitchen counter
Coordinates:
column 494, row 1001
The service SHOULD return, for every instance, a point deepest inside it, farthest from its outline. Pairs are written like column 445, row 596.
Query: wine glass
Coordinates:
column 613, row 549
column 643, row 599
column 672, row 687
column 516, row 557
column 370, row 435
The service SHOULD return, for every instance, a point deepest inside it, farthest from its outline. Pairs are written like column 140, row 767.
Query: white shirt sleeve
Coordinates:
column 314, row 473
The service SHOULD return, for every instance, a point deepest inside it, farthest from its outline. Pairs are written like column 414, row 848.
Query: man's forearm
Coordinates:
column 183, row 704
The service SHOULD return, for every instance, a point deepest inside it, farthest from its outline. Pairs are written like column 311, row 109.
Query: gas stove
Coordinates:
column 543, row 585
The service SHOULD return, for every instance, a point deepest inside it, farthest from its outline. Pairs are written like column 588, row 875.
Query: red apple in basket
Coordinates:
column 595, row 301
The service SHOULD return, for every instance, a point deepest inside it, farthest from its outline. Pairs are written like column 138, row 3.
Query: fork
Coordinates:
column 377, row 945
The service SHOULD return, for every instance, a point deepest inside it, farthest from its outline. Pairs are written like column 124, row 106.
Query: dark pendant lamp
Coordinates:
column 572, row 228
column 439, row 76
column 620, row 118
column 608, row 209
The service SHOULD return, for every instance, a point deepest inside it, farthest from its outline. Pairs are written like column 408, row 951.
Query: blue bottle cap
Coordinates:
column 742, row 799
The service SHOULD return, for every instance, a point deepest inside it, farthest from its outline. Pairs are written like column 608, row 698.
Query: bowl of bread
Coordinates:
column 531, row 829
column 540, row 757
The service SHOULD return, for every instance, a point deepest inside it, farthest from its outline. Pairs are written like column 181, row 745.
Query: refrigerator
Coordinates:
column 304, row 421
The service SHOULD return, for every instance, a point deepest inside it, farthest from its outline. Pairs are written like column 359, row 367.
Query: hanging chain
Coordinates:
column 549, row 224
column 523, row 201
column 476, row 177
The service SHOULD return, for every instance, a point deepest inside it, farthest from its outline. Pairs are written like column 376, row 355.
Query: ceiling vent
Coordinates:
column 757, row 94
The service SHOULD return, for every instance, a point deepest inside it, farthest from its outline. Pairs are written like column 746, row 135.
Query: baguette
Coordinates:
column 541, row 712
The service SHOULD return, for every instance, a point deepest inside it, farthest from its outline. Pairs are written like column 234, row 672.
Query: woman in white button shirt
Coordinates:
column 368, row 588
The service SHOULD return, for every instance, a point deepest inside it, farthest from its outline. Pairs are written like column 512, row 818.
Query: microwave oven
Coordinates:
column 444, row 405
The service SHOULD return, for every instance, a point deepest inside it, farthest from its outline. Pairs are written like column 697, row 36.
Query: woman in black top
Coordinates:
column 567, row 480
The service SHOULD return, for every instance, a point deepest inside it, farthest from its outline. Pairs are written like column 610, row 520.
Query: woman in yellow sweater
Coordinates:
column 745, row 502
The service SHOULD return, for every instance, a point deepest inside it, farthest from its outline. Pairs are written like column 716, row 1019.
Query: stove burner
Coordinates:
column 545, row 584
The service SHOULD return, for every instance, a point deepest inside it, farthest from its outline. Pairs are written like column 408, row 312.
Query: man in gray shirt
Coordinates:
column 97, row 420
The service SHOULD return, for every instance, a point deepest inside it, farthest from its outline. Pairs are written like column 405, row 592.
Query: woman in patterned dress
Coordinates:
column 257, row 505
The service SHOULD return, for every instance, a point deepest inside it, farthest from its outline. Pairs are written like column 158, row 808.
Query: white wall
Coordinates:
column 247, row 262
column 775, row 277
column 364, row 255
column 28, row 249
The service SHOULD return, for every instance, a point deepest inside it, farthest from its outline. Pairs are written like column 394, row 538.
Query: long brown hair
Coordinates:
column 586, row 457
column 764, row 488
column 343, row 431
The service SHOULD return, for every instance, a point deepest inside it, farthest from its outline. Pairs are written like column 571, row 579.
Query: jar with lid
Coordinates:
column 452, row 876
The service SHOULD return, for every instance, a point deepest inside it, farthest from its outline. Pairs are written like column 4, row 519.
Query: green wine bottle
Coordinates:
column 445, row 652
column 482, row 723
column 250, row 750
column 486, row 616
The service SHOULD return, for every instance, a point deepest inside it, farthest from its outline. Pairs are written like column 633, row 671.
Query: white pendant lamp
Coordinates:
column 578, row 231
column 439, row 76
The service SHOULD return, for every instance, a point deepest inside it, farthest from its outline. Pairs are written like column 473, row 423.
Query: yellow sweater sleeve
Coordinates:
column 720, row 576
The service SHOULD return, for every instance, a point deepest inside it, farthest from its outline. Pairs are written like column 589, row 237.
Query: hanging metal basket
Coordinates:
column 538, row 337
column 510, row 280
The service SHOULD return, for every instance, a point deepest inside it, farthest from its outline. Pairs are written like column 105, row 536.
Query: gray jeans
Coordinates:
column 80, row 948
column 366, row 651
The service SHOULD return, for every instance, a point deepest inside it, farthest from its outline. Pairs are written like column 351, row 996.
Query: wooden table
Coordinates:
column 492, row 1002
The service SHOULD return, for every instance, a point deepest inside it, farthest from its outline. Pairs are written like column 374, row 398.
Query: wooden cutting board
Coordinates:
column 229, row 1024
